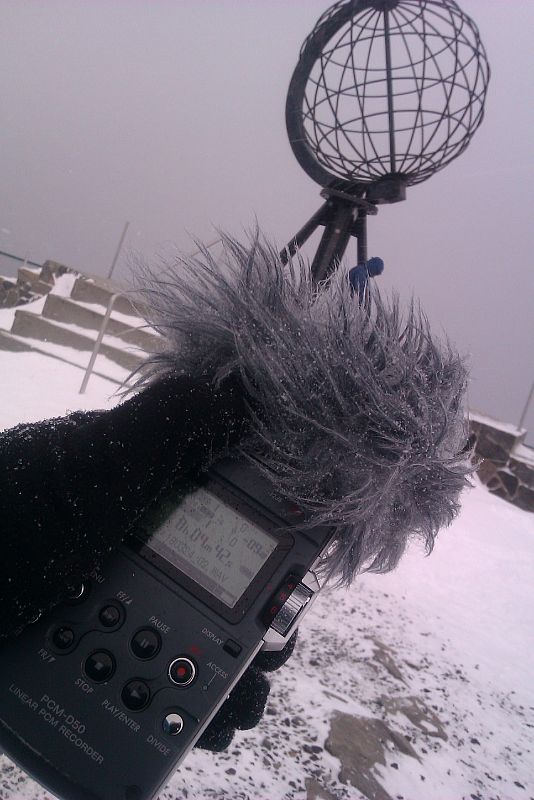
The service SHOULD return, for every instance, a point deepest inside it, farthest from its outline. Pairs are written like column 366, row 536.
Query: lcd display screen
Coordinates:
column 213, row 545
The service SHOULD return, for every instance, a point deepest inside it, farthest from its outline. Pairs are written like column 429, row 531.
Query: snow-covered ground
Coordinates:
column 416, row 685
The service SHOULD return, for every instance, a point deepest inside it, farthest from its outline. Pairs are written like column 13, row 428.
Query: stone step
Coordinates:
column 12, row 344
column 62, row 309
column 100, row 290
column 33, row 326
column 9, row 293
column 32, row 279
column 15, row 344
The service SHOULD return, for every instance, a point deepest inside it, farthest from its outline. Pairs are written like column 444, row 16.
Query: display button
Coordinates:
column 135, row 695
column 146, row 643
column 232, row 648
column 182, row 671
column 173, row 724
column 63, row 638
column 110, row 616
column 100, row 666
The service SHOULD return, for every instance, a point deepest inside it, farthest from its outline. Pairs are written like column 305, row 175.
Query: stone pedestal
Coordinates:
column 507, row 465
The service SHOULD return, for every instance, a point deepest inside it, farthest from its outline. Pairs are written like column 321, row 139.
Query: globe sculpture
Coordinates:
column 385, row 94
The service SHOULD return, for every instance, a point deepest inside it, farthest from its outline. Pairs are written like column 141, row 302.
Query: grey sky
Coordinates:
column 170, row 114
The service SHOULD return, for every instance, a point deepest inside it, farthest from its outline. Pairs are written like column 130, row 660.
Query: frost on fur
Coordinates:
column 356, row 412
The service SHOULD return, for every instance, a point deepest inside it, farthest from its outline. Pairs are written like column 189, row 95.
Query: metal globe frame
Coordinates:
column 385, row 94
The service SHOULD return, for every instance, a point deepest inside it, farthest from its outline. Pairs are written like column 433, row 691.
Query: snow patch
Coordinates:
column 63, row 285
column 524, row 453
column 7, row 315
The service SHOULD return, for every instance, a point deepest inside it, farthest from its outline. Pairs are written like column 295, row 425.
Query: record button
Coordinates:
column 182, row 671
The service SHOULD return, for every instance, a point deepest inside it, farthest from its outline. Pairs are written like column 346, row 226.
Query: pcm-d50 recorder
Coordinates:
column 104, row 697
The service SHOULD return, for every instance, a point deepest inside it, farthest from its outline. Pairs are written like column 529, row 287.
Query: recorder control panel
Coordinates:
column 103, row 697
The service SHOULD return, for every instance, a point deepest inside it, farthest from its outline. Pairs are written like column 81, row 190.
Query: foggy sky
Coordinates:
column 170, row 114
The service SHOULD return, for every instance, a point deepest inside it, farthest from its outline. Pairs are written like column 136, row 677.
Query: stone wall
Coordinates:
column 30, row 284
column 507, row 465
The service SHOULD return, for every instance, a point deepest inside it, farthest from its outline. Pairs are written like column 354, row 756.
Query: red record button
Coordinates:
column 279, row 598
column 182, row 671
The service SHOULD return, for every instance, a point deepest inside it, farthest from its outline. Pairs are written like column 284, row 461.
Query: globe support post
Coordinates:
column 343, row 216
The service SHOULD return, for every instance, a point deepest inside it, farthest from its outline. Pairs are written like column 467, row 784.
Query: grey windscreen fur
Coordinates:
column 357, row 411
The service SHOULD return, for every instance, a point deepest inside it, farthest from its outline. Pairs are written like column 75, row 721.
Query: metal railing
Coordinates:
column 109, row 309
column 98, row 342
column 24, row 261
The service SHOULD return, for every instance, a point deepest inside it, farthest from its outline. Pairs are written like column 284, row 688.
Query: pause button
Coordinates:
column 146, row 643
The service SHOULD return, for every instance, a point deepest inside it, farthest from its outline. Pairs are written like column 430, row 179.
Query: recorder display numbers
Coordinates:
column 213, row 545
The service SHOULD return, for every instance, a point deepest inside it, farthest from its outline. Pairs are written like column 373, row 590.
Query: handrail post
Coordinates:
column 527, row 404
column 98, row 342
column 117, row 251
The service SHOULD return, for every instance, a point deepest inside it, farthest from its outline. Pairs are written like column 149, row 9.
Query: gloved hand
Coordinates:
column 246, row 703
column 74, row 487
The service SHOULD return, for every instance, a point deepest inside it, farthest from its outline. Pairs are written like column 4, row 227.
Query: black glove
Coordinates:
column 73, row 487
column 246, row 702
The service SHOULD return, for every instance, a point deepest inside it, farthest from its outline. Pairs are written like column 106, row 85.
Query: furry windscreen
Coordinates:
column 356, row 410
